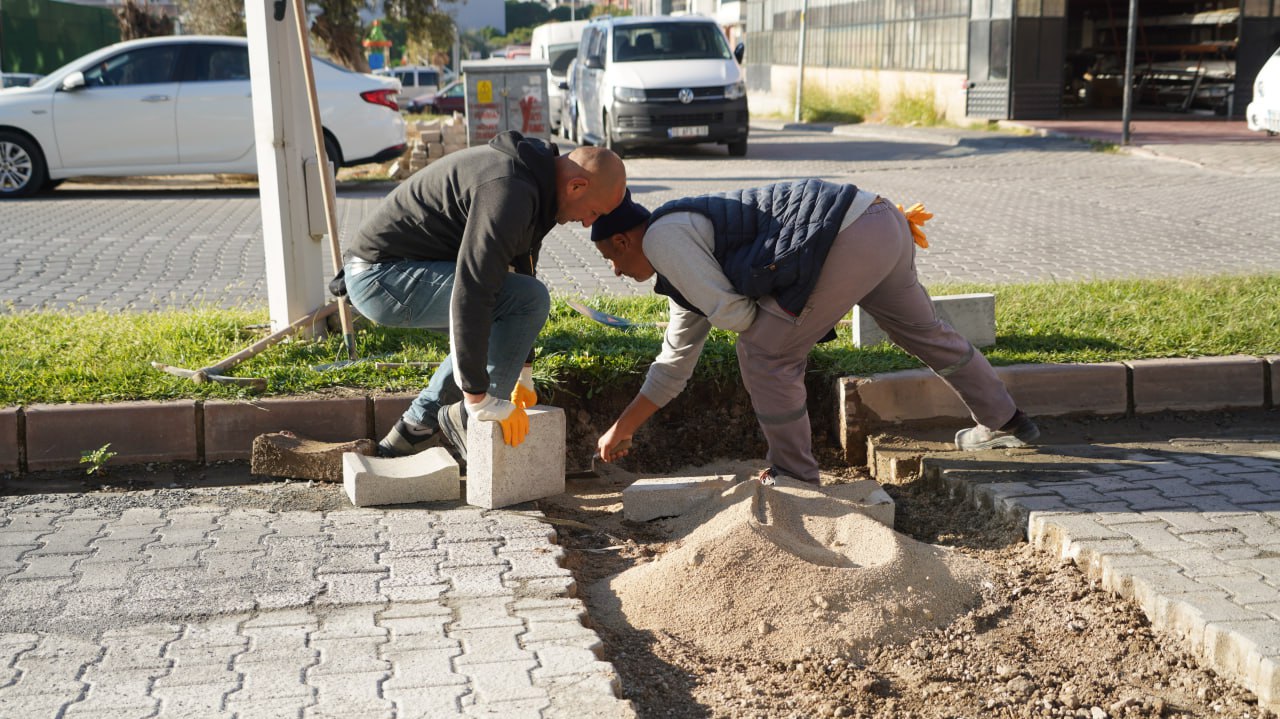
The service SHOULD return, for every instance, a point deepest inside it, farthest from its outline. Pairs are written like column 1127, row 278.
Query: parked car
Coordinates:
column 1263, row 114
column 174, row 105
column 416, row 81
column 569, row 104
column 453, row 98
column 659, row 81
column 556, row 43
column 18, row 79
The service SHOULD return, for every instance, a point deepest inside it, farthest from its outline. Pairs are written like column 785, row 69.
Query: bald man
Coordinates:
column 454, row 249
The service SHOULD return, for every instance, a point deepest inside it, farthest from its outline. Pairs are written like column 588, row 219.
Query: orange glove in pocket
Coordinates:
column 916, row 217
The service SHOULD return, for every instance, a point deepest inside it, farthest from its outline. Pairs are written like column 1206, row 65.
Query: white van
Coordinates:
column 658, row 81
column 556, row 44
column 417, row 81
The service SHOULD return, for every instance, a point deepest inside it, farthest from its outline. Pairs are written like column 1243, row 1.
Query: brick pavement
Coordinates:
column 1009, row 209
column 168, row 604
column 1187, row 527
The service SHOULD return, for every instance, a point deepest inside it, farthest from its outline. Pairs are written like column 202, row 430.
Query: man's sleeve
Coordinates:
column 680, row 247
column 681, row 346
column 499, row 228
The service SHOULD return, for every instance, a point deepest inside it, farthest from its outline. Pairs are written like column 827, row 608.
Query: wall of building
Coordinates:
column 778, row 94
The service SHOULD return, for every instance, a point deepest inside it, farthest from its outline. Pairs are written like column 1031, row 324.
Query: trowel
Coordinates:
column 590, row 472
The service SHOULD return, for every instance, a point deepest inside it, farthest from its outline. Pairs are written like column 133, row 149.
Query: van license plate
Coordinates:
column 694, row 131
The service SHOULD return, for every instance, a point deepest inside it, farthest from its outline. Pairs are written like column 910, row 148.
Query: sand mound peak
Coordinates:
column 779, row 570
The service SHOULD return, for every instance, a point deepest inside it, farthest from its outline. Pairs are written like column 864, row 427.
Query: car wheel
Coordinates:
column 738, row 148
column 331, row 150
column 22, row 171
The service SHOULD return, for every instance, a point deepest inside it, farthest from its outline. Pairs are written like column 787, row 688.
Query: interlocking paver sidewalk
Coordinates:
column 1188, row 528
column 137, row 605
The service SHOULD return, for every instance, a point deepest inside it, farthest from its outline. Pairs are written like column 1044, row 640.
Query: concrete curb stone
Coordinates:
column 230, row 427
column 1202, row 383
column 138, row 432
column 11, row 443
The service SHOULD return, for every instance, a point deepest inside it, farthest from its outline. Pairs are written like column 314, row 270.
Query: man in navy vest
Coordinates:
column 781, row 265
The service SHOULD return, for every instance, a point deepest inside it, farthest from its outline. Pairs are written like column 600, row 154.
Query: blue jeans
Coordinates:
column 412, row 293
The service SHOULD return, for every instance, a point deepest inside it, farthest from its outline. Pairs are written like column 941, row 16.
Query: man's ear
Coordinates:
column 577, row 185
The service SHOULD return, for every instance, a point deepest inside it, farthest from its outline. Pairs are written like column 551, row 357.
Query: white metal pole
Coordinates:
column 804, row 10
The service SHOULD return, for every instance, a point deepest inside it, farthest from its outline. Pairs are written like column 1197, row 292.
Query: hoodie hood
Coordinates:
column 539, row 158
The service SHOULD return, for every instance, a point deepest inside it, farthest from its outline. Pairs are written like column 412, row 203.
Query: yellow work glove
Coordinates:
column 916, row 217
column 509, row 415
column 523, row 394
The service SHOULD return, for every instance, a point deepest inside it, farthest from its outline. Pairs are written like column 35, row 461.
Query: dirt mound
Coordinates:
column 787, row 570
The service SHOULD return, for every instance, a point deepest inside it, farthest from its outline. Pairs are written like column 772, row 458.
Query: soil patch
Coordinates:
column 1038, row 640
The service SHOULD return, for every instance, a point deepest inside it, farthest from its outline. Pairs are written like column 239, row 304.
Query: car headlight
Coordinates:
column 628, row 94
column 735, row 91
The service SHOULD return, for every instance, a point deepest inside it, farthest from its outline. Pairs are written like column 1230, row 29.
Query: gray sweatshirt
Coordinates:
column 485, row 208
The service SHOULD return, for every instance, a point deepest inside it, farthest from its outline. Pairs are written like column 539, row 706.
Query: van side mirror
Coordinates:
column 738, row 51
column 595, row 62
column 74, row 81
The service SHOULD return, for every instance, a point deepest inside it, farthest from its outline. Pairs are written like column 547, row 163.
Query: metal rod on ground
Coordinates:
column 1127, row 113
column 214, row 372
column 326, row 179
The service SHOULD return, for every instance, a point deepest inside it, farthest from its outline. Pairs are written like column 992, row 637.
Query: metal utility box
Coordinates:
column 506, row 95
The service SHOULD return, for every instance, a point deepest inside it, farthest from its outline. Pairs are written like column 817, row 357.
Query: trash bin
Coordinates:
column 506, row 95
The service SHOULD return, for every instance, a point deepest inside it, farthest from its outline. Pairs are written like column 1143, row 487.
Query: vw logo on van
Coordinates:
column 685, row 95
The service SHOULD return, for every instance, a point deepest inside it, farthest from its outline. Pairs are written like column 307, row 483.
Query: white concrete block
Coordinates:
column 973, row 316
column 499, row 475
column 429, row 476
column 869, row 499
column 655, row 497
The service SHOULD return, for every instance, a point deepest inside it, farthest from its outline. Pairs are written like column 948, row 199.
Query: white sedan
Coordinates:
column 1263, row 114
column 174, row 105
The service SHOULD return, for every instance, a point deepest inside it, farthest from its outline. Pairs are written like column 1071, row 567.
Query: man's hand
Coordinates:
column 613, row 445
column 523, row 394
column 511, row 416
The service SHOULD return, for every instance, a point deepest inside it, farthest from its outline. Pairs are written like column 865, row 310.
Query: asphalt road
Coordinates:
column 1009, row 209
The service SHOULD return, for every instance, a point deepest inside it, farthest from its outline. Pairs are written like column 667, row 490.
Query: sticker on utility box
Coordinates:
column 484, row 92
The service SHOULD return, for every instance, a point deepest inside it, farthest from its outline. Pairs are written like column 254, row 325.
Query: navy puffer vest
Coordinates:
column 770, row 240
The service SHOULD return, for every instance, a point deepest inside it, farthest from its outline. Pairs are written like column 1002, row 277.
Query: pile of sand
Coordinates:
column 785, row 569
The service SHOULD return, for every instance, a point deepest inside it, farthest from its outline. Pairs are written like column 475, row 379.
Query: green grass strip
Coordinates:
column 105, row 356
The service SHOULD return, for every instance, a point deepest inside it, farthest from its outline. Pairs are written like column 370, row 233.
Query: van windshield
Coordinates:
column 669, row 41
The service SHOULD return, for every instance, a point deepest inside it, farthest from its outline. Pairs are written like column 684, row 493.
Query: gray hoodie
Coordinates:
column 485, row 208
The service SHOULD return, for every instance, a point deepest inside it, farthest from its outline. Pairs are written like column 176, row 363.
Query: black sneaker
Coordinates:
column 453, row 425
column 404, row 439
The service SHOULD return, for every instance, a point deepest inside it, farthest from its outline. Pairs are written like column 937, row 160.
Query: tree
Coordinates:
column 137, row 21
column 338, row 26
column 213, row 17
column 525, row 14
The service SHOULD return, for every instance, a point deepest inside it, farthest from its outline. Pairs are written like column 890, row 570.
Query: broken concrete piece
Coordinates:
column 429, row 476
column 870, row 498
column 499, row 475
column 285, row 454
column 655, row 497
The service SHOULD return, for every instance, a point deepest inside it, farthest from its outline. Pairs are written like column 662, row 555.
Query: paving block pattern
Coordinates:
column 1202, row 383
column 138, row 432
column 499, row 475
column 429, row 476
column 1187, row 533
column 118, row 608
column 972, row 315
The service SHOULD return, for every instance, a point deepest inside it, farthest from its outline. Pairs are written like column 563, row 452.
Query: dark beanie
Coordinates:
column 624, row 218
